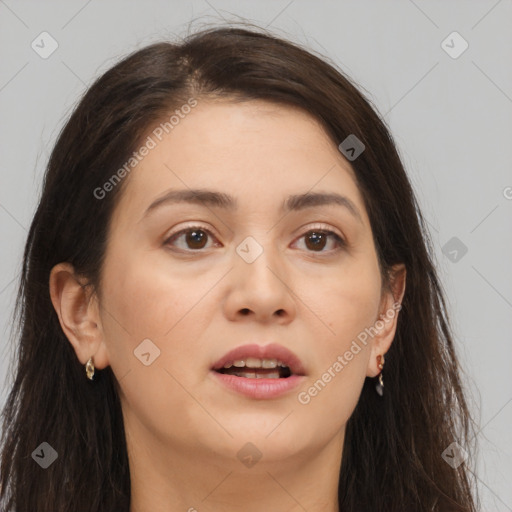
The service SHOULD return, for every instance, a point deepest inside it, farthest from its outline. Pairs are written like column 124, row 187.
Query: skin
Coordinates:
column 184, row 429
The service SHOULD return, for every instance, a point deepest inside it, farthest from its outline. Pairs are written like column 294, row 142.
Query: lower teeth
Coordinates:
column 254, row 375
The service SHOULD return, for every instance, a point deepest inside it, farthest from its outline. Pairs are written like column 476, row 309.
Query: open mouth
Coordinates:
column 253, row 368
column 260, row 372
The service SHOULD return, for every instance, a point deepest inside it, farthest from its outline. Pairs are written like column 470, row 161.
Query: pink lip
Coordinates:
column 261, row 388
column 271, row 351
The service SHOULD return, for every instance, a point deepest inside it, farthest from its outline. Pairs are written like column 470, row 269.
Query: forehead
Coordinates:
column 256, row 151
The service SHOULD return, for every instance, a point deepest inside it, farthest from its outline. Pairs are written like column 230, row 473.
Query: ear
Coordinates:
column 78, row 312
column 385, row 325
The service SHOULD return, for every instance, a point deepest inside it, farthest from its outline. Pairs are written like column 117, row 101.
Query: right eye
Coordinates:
column 194, row 238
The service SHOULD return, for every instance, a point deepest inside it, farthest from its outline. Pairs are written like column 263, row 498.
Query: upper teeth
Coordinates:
column 253, row 362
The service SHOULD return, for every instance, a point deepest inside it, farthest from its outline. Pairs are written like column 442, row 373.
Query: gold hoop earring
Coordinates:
column 379, row 387
column 89, row 369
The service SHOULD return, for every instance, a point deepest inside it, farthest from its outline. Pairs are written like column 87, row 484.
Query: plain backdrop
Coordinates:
column 449, row 109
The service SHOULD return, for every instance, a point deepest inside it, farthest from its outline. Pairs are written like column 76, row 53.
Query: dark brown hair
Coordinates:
column 392, row 452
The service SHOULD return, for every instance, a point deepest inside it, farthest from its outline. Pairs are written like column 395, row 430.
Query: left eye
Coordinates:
column 196, row 237
column 317, row 239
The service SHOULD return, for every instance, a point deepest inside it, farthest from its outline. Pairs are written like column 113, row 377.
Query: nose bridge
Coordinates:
column 257, row 260
column 260, row 278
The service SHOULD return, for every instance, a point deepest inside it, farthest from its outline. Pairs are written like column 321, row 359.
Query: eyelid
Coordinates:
column 330, row 231
column 320, row 227
column 198, row 225
column 184, row 229
column 302, row 231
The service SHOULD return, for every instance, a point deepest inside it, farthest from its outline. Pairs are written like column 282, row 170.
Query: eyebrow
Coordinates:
column 224, row 201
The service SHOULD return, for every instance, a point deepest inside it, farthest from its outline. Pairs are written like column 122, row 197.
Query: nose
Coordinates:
column 260, row 289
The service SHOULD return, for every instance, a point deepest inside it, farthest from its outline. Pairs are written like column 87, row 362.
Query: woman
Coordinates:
column 228, row 300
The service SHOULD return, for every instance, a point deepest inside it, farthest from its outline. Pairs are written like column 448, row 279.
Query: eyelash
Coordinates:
column 315, row 229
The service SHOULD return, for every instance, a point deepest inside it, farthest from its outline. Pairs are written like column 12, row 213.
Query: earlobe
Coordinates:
column 78, row 314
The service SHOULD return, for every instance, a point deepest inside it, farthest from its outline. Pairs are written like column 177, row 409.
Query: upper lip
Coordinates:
column 271, row 351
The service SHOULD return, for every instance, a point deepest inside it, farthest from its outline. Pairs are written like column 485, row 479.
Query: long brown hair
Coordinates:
column 392, row 456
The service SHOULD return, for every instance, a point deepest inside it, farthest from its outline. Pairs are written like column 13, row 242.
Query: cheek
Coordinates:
column 144, row 302
column 347, row 303
column 345, row 300
column 149, row 299
column 149, row 295
column 341, row 358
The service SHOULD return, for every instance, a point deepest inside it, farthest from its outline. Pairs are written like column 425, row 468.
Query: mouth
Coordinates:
column 254, row 361
column 254, row 368
column 259, row 372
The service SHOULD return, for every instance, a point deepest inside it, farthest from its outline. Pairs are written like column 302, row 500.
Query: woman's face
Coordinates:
column 174, row 302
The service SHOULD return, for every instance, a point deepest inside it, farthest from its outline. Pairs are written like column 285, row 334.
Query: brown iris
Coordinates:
column 196, row 238
column 318, row 240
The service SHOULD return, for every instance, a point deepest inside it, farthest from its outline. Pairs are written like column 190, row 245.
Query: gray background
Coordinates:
column 451, row 118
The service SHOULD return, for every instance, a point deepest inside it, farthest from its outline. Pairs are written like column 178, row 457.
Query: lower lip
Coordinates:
column 259, row 388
